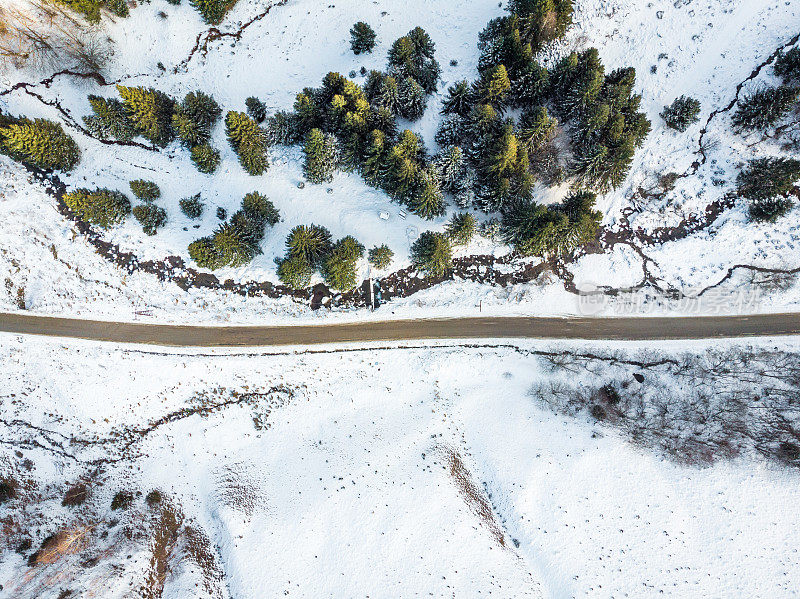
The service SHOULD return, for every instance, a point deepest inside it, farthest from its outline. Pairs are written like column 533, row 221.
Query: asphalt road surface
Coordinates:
column 628, row 328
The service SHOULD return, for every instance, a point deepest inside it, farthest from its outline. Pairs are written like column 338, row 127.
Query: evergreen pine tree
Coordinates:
column 256, row 109
column 295, row 272
column 529, row 86
column 493, row 86
column 204, row 254
column 372, row 85
column 413, row 56
column 339, row 268
column 766, row 183
column 90, row 9
column 102, row 207
column 310, row 243
column 452, row 131
column 151, row 217
column 432, row 254
column 542, row 21
column 194, row 117
column 388, row 96
column 109, row 121
column 412, row 99
column 205, row 158
column 461, row 228
column 192, row 206
column 426, row 199
column 249, row 142
column 282, row 128
column 533, row 229
column 787, row 66
column 681, row 113
column 320, row 157
column 362, row 38
column 213, row 11
column 765, row 107
column 375, row 158
column 536, row 128
column 459, row 99
column 145, row 190
column 233, row 245
column 150, row 112
column 381, row 256
column 41, row 143
column 450, row 168
column 261, row 209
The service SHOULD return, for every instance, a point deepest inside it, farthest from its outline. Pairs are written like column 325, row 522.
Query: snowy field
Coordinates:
column 702, row 48
column 367, row 473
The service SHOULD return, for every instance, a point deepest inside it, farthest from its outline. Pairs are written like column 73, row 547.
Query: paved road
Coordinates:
column 404, row 330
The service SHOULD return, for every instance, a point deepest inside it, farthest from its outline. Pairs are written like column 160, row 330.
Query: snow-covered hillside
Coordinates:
column 379, row 472
column 702, row 48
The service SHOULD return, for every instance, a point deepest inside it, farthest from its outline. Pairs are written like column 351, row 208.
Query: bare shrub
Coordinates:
column 696, row 408
column 44, row 35
column 472, row 493
column 75, row 495
column 65, row 542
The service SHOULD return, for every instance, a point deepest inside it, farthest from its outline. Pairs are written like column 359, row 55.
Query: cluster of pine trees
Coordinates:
column 309, row 248
column 236, row 241
column 160, row 119
column 38, row 142
column 150, row 216
column 213, row 11
column 766, row 106
column 768, row 183
column 345, row 126
column 500, row 158
column 92, row 9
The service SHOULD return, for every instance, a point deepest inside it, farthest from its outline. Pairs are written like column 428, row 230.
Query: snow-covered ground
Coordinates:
column 702, row 48
column 367, row 473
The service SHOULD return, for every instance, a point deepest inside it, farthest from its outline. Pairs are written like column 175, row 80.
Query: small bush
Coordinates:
column 681, row 113
column 145, row 190
column 362, row 38
column 381, row 256
column 122, row 500
column 151, row 217
column 153, row 498
column 192, row 206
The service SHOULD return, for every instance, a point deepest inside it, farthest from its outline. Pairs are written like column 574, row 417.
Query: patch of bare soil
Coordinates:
column 472, row 494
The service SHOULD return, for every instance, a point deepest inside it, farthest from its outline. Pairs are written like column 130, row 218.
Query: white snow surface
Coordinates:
column 702, row 48
column 346, row 494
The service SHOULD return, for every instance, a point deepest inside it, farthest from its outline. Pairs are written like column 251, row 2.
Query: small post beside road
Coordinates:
column 371, row 291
